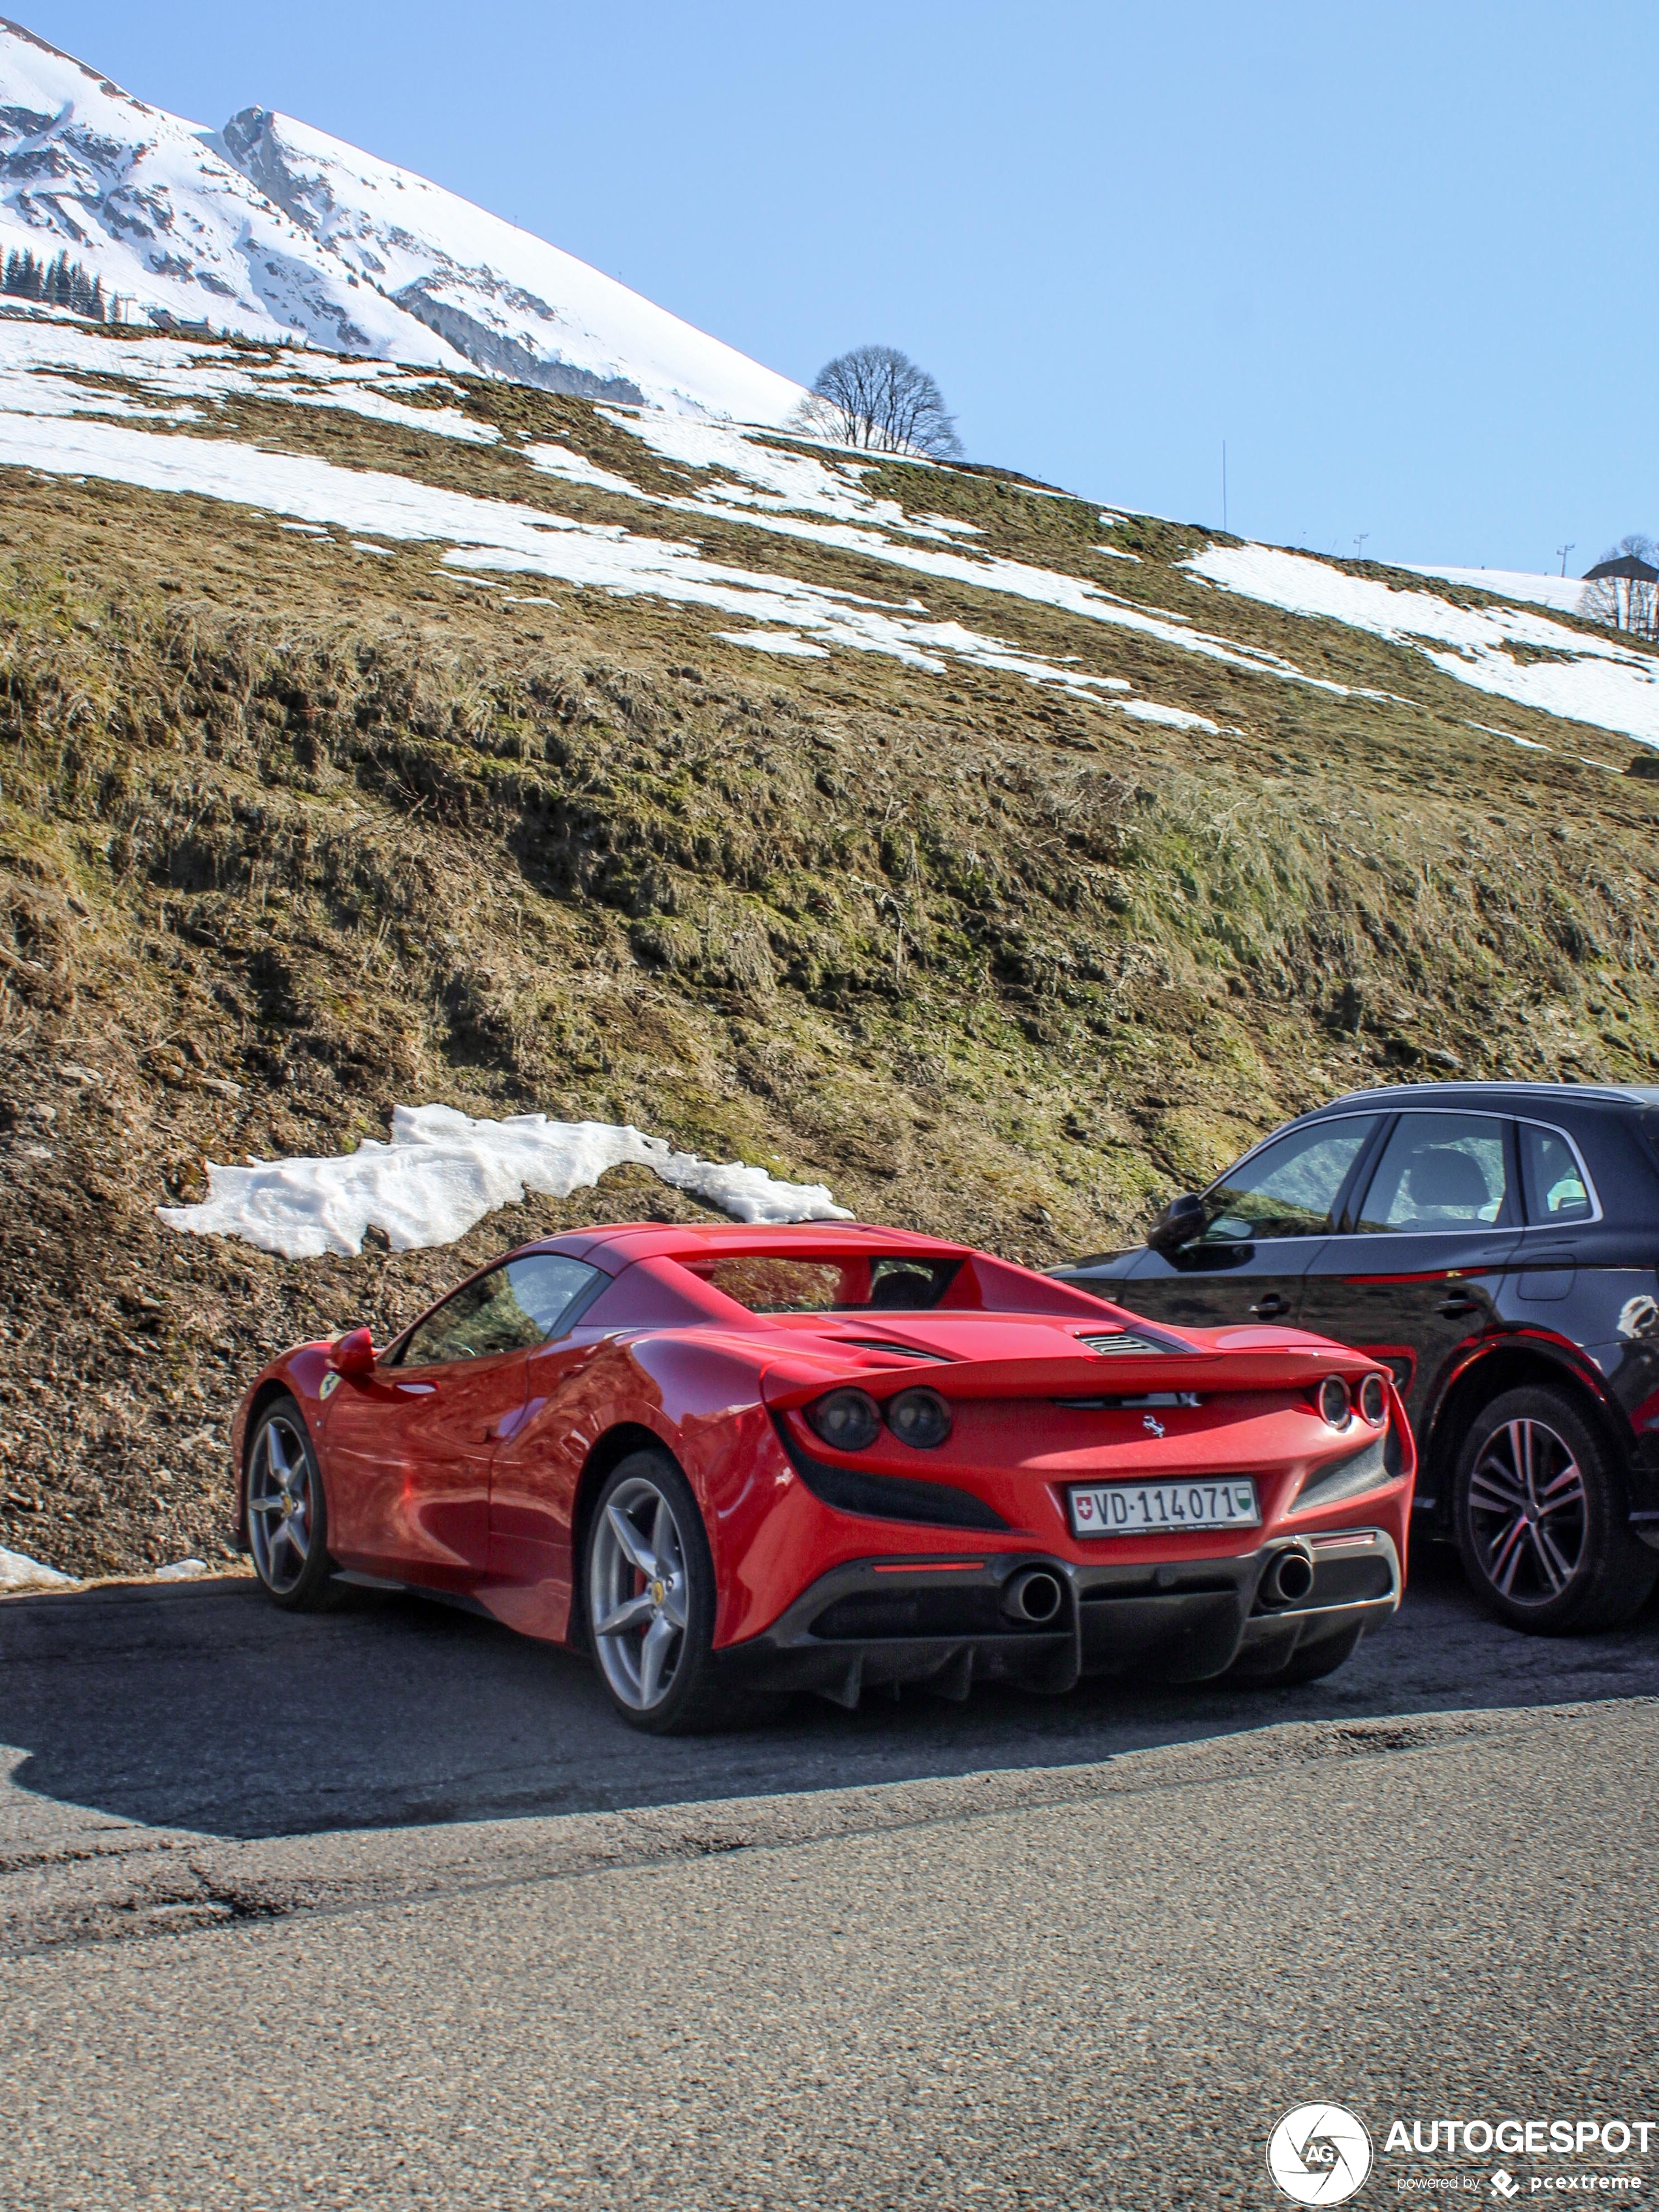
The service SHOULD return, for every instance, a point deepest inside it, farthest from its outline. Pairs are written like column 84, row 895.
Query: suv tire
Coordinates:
column 1539, row 1513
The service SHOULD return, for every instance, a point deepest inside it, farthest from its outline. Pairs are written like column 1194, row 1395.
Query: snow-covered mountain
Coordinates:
column 510, row 302
column 276, row 231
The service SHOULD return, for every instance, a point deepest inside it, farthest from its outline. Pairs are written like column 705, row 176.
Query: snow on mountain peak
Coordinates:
column 276, row 231
column 509, row 302
column 139, row 198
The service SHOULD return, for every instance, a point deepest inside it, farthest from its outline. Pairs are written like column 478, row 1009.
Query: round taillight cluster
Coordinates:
column 1337, row 1402
column 918, row 1417
column 851, row 1420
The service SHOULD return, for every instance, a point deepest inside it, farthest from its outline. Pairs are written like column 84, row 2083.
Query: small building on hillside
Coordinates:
column 1624, row 593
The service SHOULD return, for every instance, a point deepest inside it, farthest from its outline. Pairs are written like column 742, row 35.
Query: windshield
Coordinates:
column 806, row 1285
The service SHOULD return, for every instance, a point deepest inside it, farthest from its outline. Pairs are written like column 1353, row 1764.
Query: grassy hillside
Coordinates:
column 291, row 832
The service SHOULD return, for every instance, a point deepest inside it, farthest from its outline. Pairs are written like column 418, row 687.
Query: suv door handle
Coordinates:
column 1455, row 1308
column 1270, row 1307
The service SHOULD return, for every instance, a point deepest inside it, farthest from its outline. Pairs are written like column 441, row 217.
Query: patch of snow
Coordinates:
column 443, row 1171
column 379, row 407
column 499, row 535
column 181, row 1571
column 776, row 478
column 774, row 640
column 1532, row 745
column 1561, row 592
column 18, row 1572
column 790, row 477
column 1175, row 718
column 1593, row 680
column 38, row 372
column 576, row 468
column 816, row 497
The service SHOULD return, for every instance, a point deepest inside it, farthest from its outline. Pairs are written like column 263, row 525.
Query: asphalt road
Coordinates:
column 385, row 1909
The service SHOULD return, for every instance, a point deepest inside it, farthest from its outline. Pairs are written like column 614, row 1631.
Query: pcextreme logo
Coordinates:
column 1319, row 2154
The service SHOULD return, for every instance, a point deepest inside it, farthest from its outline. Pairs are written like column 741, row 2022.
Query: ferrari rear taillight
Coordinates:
column 851, row 1420
column 848, row 1421
column 919, row 1417
column 1374, row 1401
column 1335, row 1401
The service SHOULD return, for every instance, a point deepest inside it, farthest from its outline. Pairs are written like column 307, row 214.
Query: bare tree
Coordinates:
column 877, row 397
column 1628, row 597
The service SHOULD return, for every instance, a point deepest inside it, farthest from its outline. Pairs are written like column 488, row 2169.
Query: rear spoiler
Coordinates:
column 1089, row 1375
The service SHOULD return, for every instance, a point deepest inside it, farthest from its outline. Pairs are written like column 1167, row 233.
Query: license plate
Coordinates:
column 1143, row 1509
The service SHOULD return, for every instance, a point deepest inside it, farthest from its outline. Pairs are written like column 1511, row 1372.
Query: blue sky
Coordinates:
column 1398, row 256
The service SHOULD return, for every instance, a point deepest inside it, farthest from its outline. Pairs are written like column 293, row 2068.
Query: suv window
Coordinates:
column 1289, row 1188
column 1440, row 1171
column 1554, row 1182
column 512, row 1308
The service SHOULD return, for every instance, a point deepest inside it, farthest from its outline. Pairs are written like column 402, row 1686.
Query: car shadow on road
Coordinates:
column 200, row 1707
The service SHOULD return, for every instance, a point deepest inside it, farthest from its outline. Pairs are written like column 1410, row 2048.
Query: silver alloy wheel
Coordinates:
column 1528, row 1512
column 638, row 1593
column 280, row 1506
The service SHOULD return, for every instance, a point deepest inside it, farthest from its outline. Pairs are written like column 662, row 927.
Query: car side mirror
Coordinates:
column 1181, row 1219
column 354, row 1355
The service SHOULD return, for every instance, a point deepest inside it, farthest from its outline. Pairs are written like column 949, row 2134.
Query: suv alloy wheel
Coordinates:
column 1540, row 1518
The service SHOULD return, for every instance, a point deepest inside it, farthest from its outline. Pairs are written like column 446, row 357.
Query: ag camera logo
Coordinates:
column 1319, row 2154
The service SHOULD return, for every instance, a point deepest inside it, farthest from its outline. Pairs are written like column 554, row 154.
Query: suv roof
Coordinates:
column 1632, row 1094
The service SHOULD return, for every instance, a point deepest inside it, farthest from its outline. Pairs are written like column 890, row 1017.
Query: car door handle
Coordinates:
column 1269, row 1308
column 1455, row 1308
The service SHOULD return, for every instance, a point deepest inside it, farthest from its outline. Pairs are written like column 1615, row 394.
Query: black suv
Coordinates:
column 1497, row 1246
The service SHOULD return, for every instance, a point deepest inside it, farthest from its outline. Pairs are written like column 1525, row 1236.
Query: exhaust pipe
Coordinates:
column 1288, row 1579
column 1034, row 1596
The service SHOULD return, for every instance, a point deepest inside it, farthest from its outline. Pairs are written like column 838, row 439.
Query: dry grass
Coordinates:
column 288, row 835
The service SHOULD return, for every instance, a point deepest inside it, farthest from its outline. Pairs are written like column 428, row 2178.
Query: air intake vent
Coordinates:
column 883, row 1344
column 1125, row 1340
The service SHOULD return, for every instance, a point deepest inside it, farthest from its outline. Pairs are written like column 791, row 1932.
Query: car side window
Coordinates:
column 1440, row 1171
column 1289, row 1188
column 511, row 1309
column 1553, row 1180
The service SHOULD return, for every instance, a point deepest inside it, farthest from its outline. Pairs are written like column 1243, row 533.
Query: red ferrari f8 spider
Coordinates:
column 740, row 1462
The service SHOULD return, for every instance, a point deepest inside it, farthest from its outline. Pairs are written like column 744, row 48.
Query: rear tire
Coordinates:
column 288, row 1513
column 649, row 1595
column 1540, row 1514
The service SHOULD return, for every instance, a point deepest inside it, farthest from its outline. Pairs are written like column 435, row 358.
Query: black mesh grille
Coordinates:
column 1347, row 1577
column 1125, row 1340
column 891, row 1496
column 1351, row 1476
column 871, row 1614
